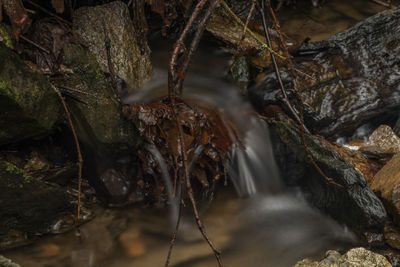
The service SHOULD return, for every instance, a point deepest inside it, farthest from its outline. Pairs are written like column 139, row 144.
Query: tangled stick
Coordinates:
column 78, row 149
column 176, row 75
column 300, row 119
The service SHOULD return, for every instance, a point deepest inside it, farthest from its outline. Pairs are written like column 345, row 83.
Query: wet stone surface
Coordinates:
column 355, row 77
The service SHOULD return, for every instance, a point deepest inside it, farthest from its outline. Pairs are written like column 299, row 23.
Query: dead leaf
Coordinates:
column 19, row 18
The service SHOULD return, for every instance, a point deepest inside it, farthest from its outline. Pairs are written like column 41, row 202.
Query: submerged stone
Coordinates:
column 355, row 77
column 29, row 107
column 95, row 25
column 354, row 203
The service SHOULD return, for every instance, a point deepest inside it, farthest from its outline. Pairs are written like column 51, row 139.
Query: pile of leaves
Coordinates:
column 207, row 139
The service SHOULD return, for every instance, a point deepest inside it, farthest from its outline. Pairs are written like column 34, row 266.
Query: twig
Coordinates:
column 263, row 44
column 303, row 128
column 78, row 149
column 175, row 234
column 379, row 2
column 49, row 12
column 189, row 188
column 276, row 68
column 253, row 4
column 179, row 47
column 76, row 90
column 34, row 44
column 195, row 42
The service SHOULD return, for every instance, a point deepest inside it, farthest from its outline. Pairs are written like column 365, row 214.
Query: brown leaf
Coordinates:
column 58, row 5
column 19, row 18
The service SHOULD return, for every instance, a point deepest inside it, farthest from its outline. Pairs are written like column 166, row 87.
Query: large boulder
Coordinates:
column 129, row 56
column 353, row 203
column 107, row 136
column 355, row 77
column 29, row 107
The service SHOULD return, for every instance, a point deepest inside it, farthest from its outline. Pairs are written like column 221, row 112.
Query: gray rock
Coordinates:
column 354, row 204
column 131, row 62
column 27, row 204
column 356, row 257
column 28, row 105
column 102, row 128
column 385, row 138
column 99, row 117
column 356, row 77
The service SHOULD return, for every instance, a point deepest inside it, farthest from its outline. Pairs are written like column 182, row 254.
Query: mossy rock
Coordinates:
column 354, row 203
column 130, row 57
column 29, row 107
column 27, row 204
column 98, row 117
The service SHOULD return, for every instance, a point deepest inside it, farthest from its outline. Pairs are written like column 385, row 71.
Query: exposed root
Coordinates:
column 79, row 154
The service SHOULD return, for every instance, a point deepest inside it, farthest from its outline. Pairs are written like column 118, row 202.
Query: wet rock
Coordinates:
column 112, row 21
column 29, row 107
column 356, row 78
column 392, row 235
column 228, row 28
column 356, row 257
column 98, row 116
column 385, row 138
column 386, row 185
column 4, row 262
column 106, row 135
column 28, row 205
column 367, row 167
column 354, row 203
column 240, row 71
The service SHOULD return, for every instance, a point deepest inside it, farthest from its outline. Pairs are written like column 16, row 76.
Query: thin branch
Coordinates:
column 303, row 128
column 179, row 47
column 252, row 34
column 189, row 188
column 175, row 234
column 195, row 42
column 78, row 149
column 48, row 12
column 276, row 68
column 387, row 4
column 34, row 44
column 253, row 5
column 75, row 90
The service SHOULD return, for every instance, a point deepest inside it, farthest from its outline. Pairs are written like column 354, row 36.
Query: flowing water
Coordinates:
column 260, row 223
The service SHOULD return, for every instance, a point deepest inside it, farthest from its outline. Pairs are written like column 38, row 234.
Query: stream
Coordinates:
column 268, row 225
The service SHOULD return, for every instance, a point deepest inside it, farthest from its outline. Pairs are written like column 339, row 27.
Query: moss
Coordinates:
column 6, row 36
column 11, row 168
